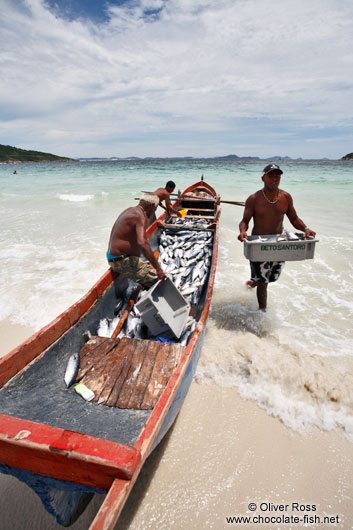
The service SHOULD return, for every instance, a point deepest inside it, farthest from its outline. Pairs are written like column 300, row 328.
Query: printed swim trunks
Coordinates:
column 265, row 271
column 135, row 268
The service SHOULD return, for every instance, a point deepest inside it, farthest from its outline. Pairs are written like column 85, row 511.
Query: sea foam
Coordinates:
column 304, row 390
column 75, row 198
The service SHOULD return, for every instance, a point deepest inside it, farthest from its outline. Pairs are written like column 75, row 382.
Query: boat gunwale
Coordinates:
column 93, row 461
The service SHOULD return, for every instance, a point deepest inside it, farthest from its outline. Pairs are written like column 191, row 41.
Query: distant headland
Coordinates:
column 192, row 158
column 347, row 157
column 9, row 154
column 13, row 154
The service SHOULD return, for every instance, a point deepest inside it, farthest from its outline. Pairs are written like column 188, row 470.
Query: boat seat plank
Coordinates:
column 144, row 375
column 196, row 209
column 128, row 373
column 113, row 373
column 92, row 352
column 119, row 384
column 131, row 382
column 192, row 216
column 124, row 358
column 163, row 368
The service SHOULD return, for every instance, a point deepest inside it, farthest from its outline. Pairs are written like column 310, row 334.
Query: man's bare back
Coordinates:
column 164, row 195
column 128, row 237
column 123, row 238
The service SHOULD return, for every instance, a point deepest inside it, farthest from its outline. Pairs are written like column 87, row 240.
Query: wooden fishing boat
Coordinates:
column 65, row 448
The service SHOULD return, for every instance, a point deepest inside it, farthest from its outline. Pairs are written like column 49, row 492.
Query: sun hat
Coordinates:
column 150, row 198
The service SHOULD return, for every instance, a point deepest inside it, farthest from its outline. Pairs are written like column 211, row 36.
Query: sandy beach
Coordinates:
column 190, row 481
column 12, row 335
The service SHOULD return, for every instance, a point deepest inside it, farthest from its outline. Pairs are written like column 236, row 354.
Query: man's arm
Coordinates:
column 169, row 206
column 146, row 249
column 296, row 221
column 248, row 214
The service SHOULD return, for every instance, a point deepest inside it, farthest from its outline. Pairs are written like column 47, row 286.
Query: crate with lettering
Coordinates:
column 289, row 246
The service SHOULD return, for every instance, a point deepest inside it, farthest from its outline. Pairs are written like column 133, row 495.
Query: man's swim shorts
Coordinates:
column 135, row 268
column 265, row 271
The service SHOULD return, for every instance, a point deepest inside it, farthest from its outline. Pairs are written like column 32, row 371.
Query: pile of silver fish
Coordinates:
column 185, row 256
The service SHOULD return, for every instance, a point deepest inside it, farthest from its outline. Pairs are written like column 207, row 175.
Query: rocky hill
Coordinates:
column 347, row 157
column 13, row 154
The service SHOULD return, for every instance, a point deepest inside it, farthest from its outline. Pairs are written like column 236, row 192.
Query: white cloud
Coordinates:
column 210, row 71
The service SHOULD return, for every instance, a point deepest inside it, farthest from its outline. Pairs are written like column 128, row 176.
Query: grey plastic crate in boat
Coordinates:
column 279, row 247
column 164, row 310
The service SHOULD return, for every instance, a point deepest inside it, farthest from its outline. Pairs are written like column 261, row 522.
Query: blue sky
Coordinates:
column 177, row 77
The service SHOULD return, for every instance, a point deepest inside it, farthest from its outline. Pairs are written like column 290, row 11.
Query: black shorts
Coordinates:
column 265, row 271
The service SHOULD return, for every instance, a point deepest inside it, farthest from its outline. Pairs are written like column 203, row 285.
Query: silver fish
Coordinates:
column 118, row 306
column 184, row 338
column 72, row 369
column 132, row 323
column 139, row 330
column 177, row 281
column 195, row 274
column 188, row 290
column 186, row 272
column 103, row 328
column 169, row 267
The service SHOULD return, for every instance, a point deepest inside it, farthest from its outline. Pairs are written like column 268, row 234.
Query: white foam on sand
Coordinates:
column 295, row 360
column 45, row 282
column 70, row 197
column 301, row 388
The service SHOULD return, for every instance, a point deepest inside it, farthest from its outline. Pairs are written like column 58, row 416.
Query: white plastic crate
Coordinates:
column 279, row 247
column 164, row 310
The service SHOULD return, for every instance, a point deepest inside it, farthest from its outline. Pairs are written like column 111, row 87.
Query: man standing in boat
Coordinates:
column 267, row 207
column 164, row 195
column 128, row 241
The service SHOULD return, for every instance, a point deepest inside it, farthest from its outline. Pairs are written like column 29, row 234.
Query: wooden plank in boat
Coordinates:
column 129, row 373
column 200, row 216
column 113, row 370
column 125, row 353
column 91, row 353
column 96, row 377
column 163, row 368
column 150, row 354
column 134, row 380
column 196, row 209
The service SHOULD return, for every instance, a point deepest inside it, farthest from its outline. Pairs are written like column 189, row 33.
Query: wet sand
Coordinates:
column 12, row 335
column 222, row 454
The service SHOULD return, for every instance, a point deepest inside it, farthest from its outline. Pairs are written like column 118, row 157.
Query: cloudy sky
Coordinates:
column 88, row 78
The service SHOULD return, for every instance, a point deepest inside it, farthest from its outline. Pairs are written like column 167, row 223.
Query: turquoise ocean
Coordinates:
column 295, row 361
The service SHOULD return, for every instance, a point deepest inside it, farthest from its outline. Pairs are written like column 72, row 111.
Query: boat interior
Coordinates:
column 126, row 374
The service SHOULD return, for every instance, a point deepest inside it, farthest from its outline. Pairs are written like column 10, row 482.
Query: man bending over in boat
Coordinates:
column 128, row 241
column 267, row 207
column 164, row 195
